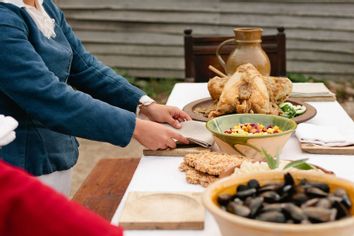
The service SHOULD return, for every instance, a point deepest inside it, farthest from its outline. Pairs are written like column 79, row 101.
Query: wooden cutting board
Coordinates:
column 162, row 210
column 179, row 151
column 316, row 98
column 317, row 149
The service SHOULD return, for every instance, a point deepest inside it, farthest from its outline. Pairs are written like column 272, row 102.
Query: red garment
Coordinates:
column 27, row 207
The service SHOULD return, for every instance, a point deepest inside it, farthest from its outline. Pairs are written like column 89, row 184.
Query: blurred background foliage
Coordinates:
column 160, row 88
column 157, row 88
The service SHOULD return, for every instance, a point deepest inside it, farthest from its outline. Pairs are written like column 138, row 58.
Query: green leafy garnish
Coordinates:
column 290, row 110
column 299, row 164
column 287, row 110
column 273, row 162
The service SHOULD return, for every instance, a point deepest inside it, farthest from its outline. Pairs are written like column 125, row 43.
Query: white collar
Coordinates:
column 43, row 21
column 18, row 3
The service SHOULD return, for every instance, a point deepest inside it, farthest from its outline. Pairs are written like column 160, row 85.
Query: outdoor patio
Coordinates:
column 236, row 117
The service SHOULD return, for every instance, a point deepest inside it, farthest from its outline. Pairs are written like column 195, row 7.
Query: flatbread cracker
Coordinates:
column 212, row 163
column 196, row 177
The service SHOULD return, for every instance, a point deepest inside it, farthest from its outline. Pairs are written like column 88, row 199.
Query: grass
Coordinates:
column 157, row 88
column 300, row 78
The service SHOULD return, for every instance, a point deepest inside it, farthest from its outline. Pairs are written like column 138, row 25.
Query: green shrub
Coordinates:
column 157, row 88
column 297, row 78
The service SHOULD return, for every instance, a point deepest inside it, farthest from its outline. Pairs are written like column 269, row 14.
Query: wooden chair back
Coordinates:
column 200, row 52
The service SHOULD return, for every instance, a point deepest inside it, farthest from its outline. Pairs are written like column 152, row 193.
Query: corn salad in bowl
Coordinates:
column 250, row 133
column 253, row 129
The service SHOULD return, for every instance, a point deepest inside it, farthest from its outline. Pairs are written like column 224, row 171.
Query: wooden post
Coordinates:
column 282, row 50
column 188, row 55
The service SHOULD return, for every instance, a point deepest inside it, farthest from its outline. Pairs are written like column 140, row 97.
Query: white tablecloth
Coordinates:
column 161, row 173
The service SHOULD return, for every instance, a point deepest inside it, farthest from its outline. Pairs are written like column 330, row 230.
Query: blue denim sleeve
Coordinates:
column 90, row 75
column 26, row 80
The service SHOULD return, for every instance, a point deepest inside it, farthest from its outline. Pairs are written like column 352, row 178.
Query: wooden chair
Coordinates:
column 199, row 53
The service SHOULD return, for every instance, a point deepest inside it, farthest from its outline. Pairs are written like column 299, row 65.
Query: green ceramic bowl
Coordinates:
column 251, row 145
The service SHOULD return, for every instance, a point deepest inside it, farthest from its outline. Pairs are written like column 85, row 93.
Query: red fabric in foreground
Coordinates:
column 27, row 207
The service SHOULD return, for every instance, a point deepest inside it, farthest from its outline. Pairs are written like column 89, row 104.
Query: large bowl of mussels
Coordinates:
column 283, row 204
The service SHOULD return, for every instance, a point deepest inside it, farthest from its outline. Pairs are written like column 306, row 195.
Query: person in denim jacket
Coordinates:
column 41, row 62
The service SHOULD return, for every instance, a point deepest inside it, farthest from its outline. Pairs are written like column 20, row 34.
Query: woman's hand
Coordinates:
column 156, row 136
column 165, row 114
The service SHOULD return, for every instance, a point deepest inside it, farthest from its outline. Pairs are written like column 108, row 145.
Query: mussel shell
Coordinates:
column 342, row 211
column 273, row 207
column 241, row 187
column 310, row 203
column 288, row 179
column 305, row 222
column 246, row 193
column 225, row 198
column 285, row 192
column 324, row 187
column 255, row 205
column 238, row 209
column 270, row 187
column 287, row 188
column 333, row 198
column 339, row 192
column 299, row 198
column 307, row 184
column 320, row 215
column 270, row 197
column 315, row 192
column 324, row 203
column 345, row 200
column 247, row 201
column 238, row 201
column 290, row 221
column 295, row 212
column 253, row 183
column 272, row 216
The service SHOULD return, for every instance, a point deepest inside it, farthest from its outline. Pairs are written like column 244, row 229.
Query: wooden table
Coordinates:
column 102, row 194
column 105, row 186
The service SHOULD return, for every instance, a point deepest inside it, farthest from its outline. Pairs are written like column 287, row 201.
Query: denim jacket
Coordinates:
column 37, row 80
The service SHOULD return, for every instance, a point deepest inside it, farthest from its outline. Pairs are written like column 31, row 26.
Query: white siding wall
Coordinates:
column 145, row 37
